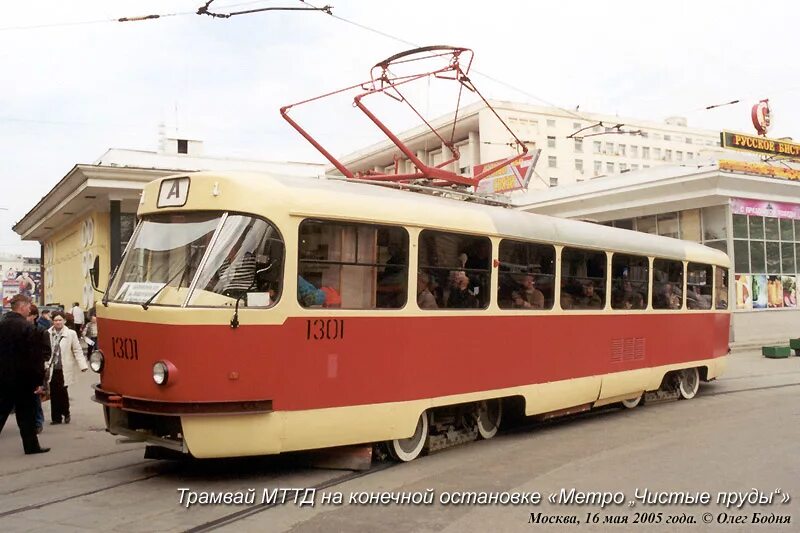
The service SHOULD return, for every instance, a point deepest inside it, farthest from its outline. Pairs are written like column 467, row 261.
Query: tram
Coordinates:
column 255, row 314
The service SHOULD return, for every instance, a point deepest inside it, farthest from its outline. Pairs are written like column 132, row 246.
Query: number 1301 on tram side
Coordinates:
column 255, row 315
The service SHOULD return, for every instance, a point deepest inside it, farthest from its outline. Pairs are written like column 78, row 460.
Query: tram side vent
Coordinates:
column 627, row 349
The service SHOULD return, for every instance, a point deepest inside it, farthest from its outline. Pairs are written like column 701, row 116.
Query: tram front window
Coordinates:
column 245, row 264
column 164, row 256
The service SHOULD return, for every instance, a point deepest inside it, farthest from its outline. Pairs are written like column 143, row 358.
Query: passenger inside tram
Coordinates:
column 425, row 298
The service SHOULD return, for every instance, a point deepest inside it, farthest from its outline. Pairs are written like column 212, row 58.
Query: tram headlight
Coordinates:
column 160, row 373
column 97, row 361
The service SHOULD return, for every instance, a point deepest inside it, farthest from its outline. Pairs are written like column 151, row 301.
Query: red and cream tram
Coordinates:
column 255, row 314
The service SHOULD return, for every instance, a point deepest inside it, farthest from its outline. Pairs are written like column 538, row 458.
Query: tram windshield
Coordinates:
column 225, row 257
column 166, row 251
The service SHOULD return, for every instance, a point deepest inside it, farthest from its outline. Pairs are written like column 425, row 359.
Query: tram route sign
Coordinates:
column 508, row 178
column 760, row 145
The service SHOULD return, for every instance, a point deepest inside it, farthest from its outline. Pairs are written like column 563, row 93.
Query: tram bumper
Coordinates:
column 179, row 426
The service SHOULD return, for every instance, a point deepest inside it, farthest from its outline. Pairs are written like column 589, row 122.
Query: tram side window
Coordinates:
column 352, row 266
column 667, row 284
column 699, row 289
column 245, row 264
column 454, row 271
column 527, row 275
column 583, row 279
column 721, row 288
column 629, row 281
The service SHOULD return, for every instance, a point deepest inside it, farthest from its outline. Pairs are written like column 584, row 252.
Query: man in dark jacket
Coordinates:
column 21, row 371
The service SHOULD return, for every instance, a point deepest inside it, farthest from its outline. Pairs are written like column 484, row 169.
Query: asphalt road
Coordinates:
column 741, row 433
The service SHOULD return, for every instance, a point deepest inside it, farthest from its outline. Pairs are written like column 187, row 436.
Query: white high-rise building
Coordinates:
column 576, row 146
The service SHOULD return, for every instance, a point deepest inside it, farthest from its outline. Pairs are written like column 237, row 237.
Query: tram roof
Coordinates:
column 267, row 194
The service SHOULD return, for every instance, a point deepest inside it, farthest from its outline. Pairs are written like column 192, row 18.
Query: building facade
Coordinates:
column 574, row 146
column 91, row 212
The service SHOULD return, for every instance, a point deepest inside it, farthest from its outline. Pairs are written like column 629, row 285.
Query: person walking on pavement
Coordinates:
column 67, row 354
column 21, row 372
column 78, row 316
column 33, row 318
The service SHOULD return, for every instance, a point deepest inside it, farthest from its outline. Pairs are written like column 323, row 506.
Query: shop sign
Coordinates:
column 760, row 145
column 761, row 169
column 745, row 206
column 508, row 178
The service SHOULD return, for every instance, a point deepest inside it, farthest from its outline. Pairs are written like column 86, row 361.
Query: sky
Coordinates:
column 74, row 84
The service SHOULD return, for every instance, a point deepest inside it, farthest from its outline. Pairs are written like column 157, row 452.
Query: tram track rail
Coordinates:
column 242, row 514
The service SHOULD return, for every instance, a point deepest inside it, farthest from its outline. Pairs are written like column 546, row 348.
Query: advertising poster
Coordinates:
column 774, row 292
column 744, row 292
column 789, row 291
column 10, row 289
column 760, row 294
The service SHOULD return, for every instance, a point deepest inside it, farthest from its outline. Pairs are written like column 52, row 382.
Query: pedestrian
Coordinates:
column 44, row 355
column 67, row 354
column 21, row 371
column 44, row 320
column 90, row 332
column 78, row 316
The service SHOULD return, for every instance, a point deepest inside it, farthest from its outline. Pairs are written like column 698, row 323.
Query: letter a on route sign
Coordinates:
column 173, row 192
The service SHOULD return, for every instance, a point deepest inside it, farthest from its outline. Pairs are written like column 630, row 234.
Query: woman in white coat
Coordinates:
column 66, row 359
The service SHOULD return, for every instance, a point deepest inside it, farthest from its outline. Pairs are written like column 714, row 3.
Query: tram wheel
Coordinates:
column 409, row 449
column 688, row 383
column 489, row 414
column 633, row 402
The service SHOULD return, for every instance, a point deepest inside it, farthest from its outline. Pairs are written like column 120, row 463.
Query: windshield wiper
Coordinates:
column 181, row 272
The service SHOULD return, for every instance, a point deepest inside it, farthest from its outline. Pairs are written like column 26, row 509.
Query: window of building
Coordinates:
column 634, row 167
column 579, row 165
column 667, row 137
column 526, row 278
column 598, row 168
column 630, row 281
column 645, row 152
column 699, row 286
column 623, row 167
column 352, row 266
column 721, row 287
column 646, row 225
column 609, row 148
column 622, row 149
column 454, row 271
column 551, row 141
column 551, row 123
column 667, row 284
column 668, row 155
column 597, row 147
column 626, row 223
column 634, row 151
column 645, row 166
column 610, row 167
column 579, row 145
column 657, row 153
column 689, row 155
column 657, row 136
column 583, row 279
column 668, row 225
column 552, row 162
column 596, row 129
column 576, row 125
column 688, row 140
column 644, row 135
column 183, row 146
column 679, row 155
